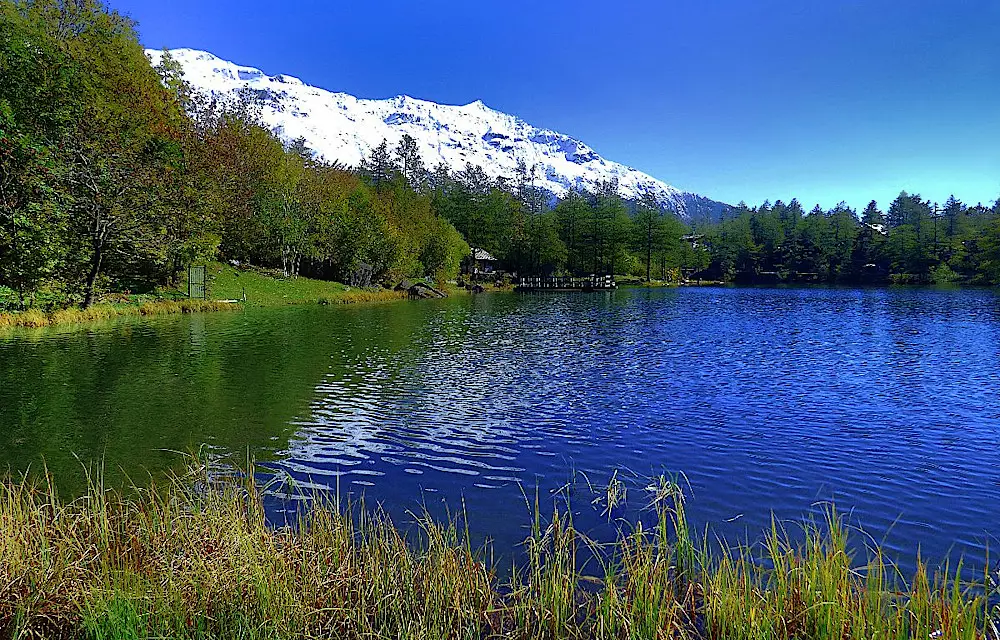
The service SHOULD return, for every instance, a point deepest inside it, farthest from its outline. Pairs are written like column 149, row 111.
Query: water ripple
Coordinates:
column 885, row 402
column 768, row 401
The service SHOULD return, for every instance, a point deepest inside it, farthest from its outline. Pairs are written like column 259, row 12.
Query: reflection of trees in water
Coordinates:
column 885, row 397
column 133, row 394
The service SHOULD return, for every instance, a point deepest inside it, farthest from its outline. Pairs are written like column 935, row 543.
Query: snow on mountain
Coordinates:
column 339, row 126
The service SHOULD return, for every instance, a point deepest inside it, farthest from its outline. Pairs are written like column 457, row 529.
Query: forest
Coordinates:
column 913, row 242
column 115, row 176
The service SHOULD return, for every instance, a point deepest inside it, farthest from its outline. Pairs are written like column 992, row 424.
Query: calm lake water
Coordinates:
column 769, row 401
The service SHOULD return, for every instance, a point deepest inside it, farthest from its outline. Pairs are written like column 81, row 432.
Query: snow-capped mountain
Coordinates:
column 341, row 127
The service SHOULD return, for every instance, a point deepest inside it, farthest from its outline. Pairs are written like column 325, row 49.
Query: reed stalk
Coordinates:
column 196, row 557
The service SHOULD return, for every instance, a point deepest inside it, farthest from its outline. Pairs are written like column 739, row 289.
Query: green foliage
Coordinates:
column 584, row 233
column 37, row 107
column 572, row 215
column 916, row 242
column 115, row 175
column 943, row 274
column 89, row 149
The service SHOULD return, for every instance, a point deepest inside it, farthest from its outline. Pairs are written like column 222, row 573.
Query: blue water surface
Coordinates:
column 764, row 402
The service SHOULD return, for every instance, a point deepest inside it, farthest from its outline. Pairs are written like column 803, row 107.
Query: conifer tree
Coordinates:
column 573, row 213
column 378, row 168
column 648, row 223
column 872, row 217
column 411, row 164
column 953, row 213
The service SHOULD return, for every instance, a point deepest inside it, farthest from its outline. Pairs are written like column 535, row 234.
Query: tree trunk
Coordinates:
column 572, row 248
column 95, row 269
column 649, row 253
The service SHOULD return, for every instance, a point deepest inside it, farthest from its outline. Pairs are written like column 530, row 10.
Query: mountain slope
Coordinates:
column 341, row 127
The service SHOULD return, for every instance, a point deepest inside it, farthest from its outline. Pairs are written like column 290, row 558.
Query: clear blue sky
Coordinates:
column 751, row 100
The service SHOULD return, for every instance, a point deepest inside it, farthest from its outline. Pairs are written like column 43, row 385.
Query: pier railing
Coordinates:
column 567, row 283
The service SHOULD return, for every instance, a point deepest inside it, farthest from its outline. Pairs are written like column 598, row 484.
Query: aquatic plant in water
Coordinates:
column 196, row 558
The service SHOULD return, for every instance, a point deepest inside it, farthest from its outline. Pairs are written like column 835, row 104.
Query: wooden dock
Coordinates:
column 567, row 284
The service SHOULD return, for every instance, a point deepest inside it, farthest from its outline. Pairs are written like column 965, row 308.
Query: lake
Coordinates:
column 762, row 401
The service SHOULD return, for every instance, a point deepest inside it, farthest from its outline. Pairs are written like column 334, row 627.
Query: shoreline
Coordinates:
column 170, row 561
column 261, row 290
column 268, row 291
column 38, row 319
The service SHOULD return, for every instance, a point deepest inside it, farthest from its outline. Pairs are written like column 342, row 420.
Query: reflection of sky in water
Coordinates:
column 766, row 400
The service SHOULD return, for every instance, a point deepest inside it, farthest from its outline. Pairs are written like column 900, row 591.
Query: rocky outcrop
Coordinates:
column 420, row 290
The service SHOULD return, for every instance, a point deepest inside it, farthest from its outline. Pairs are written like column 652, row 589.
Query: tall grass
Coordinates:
column 34, row 318
column 359, row 296
column 196, row 558
column 817, row 589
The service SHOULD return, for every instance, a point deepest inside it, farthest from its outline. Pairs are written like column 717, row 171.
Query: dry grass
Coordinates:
column 33, row 318
column 364, row 296
column 198, row 559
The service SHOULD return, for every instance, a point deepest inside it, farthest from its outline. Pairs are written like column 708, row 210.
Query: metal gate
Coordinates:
column 196, row 283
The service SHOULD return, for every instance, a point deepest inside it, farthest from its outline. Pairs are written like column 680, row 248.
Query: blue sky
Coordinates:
column 825, row 101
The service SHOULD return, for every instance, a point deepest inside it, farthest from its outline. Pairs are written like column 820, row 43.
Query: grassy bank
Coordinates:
column 270, row 289
column 196, row 559
column 228, row 288
column 36, row 318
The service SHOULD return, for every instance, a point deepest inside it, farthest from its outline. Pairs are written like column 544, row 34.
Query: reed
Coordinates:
column 197, row 558
column 363, row 296
column 818, row 589
column 34, row 318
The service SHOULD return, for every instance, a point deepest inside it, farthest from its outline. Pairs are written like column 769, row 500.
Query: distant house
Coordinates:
column 482, row 262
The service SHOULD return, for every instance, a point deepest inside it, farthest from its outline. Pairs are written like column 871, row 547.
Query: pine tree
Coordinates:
column 953, row 213
column 378, row 168
column 648, row 223
column 911, row 235
column 172, row 76
column 873, row 218
column 608, row 231
column 411, row 163
column 573, row 213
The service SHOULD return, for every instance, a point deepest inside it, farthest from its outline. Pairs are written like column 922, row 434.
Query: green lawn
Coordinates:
column 264, row 289
column 225, row 283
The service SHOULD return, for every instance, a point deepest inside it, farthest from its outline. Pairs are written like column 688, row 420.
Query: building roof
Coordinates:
column 482, row 254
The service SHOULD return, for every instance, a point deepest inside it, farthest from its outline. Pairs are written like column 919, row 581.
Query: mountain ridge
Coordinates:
column 342, row 127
